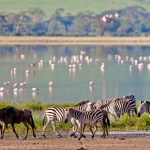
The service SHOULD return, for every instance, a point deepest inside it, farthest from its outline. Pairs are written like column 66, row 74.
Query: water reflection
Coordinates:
column 72, row 73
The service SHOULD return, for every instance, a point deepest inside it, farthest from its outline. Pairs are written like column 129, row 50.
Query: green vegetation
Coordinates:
column 32, row 105
column 129, row 21
column 123, row 124
column 70, row 6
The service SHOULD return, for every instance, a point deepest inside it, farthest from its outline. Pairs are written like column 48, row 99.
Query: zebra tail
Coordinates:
column 43, row 119
column 135, row 111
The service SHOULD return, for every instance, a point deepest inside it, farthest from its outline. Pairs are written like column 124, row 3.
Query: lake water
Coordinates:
column 56, row 74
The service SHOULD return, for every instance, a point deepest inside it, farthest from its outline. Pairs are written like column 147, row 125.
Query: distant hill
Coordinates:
column 70, row 6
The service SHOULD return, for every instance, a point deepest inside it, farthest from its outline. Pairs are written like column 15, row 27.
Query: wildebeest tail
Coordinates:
column 32, row 122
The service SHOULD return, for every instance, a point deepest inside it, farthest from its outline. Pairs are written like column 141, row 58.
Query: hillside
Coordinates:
column 70, row 6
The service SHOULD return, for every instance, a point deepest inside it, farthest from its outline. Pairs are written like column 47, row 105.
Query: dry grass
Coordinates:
column 31, row 40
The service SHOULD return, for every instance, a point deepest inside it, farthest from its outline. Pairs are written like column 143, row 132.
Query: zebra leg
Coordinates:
column 14, row 130
column 80, row 131
column 45, row 126
column 93, row 132
column 74, row 128
column 84, row 125
column 54, row 128
column 103, row 127
column 27, row 129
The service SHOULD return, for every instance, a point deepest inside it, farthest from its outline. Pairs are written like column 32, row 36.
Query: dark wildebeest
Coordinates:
column 10, row 115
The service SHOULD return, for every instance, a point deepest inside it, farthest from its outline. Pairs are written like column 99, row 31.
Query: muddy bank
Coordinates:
column 67, row 143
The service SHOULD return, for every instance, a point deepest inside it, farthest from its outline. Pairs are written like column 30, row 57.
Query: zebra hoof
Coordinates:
column 59, row 136
column 24, row 138
column 103, row 136
column 79, row 138
column 92, row 137
column 72, row 134
column 44, row 135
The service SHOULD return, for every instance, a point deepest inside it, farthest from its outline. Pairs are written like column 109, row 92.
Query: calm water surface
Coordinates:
column 73, row 73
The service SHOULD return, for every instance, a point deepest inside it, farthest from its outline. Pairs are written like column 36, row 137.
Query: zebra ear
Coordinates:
column 141, row 102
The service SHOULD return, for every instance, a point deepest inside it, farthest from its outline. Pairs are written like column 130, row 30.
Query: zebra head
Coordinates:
column 143, row 107
column 131, row 97
column 67, row 114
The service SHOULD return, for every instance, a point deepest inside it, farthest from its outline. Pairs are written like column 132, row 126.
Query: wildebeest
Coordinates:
column 11, row 115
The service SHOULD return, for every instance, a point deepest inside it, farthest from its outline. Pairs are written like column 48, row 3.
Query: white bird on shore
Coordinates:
column 34, row 89
column 51, row 84
column 102, row 67
column 92, row 83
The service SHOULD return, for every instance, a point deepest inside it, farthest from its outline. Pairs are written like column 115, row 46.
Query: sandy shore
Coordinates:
column 137, row 142
column 45, row 40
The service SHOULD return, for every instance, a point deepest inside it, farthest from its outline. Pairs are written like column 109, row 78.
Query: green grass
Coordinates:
column 123, row 124
column 70, row 6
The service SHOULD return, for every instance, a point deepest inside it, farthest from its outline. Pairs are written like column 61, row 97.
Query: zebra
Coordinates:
column 92, row 117
column 143, row 107
column 117, row 107
column 55, row 113
column 85, row 105
column 105, row 102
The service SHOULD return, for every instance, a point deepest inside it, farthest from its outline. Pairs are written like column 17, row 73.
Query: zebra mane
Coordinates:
column 126, row 97
column 144, row 101
column 82, row 102
column 148, row 102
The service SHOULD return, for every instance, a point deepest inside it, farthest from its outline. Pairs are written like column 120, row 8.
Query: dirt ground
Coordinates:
column 137, row 142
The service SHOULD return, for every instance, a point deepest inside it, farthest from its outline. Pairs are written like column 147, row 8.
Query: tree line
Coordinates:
column 131, row 21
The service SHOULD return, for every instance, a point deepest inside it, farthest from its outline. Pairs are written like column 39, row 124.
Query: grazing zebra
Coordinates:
column 143, row 107
column 105, row 102
column 53, row 114
column 92, row 118
column 119, row 107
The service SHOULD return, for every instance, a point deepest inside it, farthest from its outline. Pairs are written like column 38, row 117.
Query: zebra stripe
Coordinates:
column 91, row 118
column 143, row 107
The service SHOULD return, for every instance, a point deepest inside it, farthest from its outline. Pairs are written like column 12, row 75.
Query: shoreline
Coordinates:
column 68, row 143
column 45, row 40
